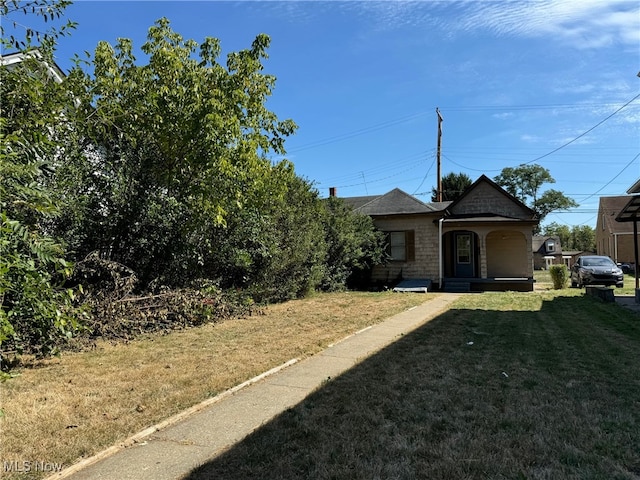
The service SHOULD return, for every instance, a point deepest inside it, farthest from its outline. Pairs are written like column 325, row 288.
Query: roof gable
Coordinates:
column 539, row 242
column 486, row 198
column 608, row 210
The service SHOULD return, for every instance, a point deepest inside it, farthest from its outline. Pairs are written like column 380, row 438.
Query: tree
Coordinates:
column 354, row 246
column 171, row 148
column 36, row 311
column 583, row 238
column 453, row 185
column 578, row 237
column 563, row 232
column 39, row 11
column 524, row 182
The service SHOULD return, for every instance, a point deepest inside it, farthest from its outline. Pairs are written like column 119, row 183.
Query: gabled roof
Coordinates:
column 53, row 70
column 357, row 202
column 467, row 205
column 635, row 188
column 537, row 241
column 395, row 202
column 609, row 209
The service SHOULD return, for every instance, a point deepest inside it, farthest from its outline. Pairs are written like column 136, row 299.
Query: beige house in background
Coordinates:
column 614, row 238
column 481, row 241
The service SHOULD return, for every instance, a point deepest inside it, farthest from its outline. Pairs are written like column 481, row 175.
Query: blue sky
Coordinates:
column 516, row 82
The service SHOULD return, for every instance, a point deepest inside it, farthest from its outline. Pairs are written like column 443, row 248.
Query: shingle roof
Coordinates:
column 609, row 209
column 395, row 202
column 537, row 241
column 357, row 202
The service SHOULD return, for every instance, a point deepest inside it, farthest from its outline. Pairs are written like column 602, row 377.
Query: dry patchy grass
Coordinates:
column 503, row 385
column 66, row 408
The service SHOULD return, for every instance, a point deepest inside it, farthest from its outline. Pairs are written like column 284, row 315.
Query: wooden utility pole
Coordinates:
column 439, row 187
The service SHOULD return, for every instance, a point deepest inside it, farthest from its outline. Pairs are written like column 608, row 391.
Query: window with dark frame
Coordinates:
column 401, row 246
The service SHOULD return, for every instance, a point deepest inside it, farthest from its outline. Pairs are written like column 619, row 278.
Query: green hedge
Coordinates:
column 559, row 276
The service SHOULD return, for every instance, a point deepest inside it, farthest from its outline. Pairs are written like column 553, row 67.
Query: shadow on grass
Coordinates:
column 544, row 392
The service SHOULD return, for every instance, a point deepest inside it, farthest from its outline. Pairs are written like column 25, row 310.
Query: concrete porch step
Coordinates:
column 457, row 287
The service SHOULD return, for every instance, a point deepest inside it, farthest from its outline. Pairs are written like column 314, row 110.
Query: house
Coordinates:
column 548, row 250
column 50, row 69
column 481, row 241
column 614, row 237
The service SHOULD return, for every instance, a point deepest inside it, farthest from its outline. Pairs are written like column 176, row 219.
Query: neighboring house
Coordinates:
column 52, row 70
column 481, row 241
column 547, row 251
column 614, row 238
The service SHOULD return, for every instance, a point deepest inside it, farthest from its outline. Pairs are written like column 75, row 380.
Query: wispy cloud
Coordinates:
column 582, row 23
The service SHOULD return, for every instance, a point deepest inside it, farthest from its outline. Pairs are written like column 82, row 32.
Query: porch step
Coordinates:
column 457, row 287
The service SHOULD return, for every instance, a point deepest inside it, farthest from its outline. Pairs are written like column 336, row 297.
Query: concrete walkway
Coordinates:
column 174, row 448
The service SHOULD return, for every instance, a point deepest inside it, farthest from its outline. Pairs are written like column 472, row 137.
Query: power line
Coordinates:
column 582, row 134
column 610, row 181
column 424, row 178
column 469, row 108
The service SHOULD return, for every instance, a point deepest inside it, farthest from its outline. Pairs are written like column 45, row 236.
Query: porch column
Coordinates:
column 483, row 254
column 529, row 239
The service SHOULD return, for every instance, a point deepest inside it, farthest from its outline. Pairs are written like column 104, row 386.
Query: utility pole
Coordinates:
column 439, row 187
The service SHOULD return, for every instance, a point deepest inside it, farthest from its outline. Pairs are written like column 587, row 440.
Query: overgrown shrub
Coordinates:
column 559, row 276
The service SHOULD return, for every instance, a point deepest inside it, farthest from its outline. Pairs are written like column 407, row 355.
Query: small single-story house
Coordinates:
column 547, row 251
column 481, row 241
column 614, row 238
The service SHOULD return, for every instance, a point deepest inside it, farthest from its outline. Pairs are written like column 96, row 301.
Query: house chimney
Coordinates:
column 332, row 191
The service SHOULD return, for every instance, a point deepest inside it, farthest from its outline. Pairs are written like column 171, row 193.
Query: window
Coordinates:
column 551, row 246
column 400, row 246
column 463, row 248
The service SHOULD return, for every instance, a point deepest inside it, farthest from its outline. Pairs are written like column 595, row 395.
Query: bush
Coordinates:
column 559, row 276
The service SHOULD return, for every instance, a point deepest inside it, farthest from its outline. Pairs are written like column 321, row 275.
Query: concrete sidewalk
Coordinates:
column 172, row 449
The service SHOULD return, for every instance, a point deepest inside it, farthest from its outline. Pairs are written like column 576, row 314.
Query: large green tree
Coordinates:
column 525, row 182
column 354, row 246
column 578, row 237
column 173, row 143
column 453, row 186
column 35, row 308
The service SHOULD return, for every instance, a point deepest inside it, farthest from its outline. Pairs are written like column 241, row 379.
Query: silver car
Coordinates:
column 596, row 270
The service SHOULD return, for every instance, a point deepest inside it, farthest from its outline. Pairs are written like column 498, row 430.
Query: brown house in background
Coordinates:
column 481, row 241
column 547, row 251
column 613, row 238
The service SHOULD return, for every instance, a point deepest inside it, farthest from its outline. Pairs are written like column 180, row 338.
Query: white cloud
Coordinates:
column 582, row 23
column 530, row 138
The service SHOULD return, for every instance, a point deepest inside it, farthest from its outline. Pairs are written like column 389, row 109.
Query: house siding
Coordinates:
column 484, row 198
column 614, row 239
column 425, row 263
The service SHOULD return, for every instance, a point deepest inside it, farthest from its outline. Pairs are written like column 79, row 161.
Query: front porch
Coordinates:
column 498, row 284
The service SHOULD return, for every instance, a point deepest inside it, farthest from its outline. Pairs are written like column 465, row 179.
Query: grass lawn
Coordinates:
column 539, row 385
column 542, row 385
column 63, row 409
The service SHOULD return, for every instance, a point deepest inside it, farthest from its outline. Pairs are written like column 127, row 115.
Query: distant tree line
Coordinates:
column 580, row 238
column 161, row 166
